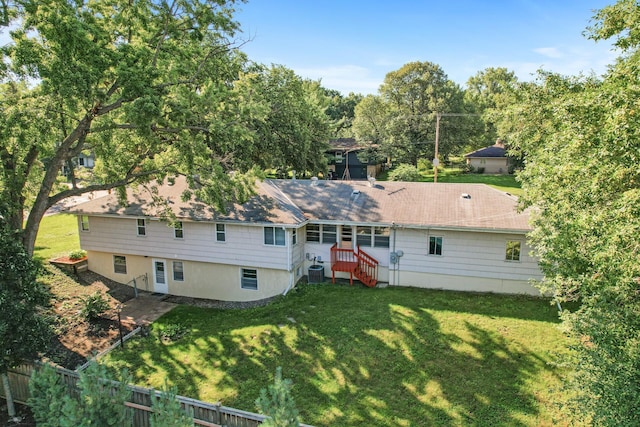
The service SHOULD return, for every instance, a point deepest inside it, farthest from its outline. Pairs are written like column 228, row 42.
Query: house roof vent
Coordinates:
column 314, row 181
column 465, row 195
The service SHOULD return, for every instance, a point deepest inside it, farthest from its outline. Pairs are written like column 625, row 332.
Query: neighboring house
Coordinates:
column 344, row 162
column 491, row 159
column 452, row 236
column 86, row 160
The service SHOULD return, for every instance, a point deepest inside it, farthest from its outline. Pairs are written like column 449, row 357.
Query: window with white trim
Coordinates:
column 329, row 233
column 435, row 245
column 178, row 271
column 274, row 236
column 381, row 237
column 120, row 264
column 294, row 236
column 363, row 236
column 84, row 222
column 313, row 233
column 513, row 250
column 221, row 233
column 142, row 226
column 249, row 279
column 178, row 231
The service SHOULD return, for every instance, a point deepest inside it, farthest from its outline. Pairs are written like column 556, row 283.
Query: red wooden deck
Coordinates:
column 359, row 264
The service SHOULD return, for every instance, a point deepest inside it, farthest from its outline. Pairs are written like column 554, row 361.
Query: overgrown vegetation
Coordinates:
column 94, row 306
column 385, row 357
column 99, row 401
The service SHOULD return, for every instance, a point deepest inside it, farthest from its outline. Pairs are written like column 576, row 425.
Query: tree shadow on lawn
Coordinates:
column 406, row 371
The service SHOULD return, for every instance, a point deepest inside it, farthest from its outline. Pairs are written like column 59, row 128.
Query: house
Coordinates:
column 344, row 162
column 491, row 159
column 451, row 236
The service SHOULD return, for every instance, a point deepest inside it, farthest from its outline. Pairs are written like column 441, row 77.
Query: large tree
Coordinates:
column 489, row 91
column 414, row 94
column 581, row 137
column 152, row 88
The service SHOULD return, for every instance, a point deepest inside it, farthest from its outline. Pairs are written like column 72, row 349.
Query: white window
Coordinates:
column 329, row 233
column 313, row 233
column 120, row 264
column 80, row 161
column 221, row 233
column 178, row 271
column 249, row 279
column 363, row 236
column 178, row 232
column 274, row 236
column 513, row 250
column 84, row 223
column 435, row 245
column 294, row 236
column 142, row 226
column 381, row 237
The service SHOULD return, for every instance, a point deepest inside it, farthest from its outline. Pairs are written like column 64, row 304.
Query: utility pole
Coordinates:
column 436, row 161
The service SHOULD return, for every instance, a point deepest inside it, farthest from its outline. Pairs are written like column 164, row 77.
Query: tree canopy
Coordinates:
column 580, row 138
column 402, row 118
column 152, row 89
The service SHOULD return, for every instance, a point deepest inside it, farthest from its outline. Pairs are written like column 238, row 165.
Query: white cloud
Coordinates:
column 549, row 52
column 344, row 78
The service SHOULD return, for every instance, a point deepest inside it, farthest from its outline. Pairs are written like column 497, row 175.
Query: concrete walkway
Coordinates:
column 145, row 309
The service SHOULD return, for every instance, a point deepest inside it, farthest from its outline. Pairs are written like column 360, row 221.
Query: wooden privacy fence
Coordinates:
column 204, row 414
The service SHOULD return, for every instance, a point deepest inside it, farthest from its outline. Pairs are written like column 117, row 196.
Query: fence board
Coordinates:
column 204, row 413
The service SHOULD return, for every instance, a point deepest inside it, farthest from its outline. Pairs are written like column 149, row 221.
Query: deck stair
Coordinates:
column 357, row 263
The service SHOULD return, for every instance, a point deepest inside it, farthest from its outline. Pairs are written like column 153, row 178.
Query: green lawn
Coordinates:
column 359, row 356
column 506, row 183
column 58, row 235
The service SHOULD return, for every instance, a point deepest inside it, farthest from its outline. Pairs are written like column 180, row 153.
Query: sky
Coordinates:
column 350, row 45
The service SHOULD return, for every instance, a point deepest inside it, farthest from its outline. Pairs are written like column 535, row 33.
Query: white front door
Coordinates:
column 160, row 284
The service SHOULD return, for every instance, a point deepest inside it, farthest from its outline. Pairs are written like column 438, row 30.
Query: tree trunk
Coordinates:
column 11, row 409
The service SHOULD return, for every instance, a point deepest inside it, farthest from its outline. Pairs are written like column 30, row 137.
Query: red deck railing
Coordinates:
column 359, row 264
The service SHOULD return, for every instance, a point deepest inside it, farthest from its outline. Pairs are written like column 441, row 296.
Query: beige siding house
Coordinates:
column 450, row 236
column 491, row 159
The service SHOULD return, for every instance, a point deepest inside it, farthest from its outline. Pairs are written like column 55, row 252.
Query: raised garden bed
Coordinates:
column 71, row 265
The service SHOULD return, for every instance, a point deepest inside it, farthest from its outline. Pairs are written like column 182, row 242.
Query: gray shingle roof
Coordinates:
column 492, row 151
column 292, row 202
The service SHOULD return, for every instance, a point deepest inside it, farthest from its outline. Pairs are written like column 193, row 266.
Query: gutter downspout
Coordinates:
column 393, row 227
column 289, row 261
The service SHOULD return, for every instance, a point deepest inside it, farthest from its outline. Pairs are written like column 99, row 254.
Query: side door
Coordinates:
column 160, row 277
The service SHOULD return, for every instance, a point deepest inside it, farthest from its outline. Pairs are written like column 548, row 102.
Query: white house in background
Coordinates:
column 450, row 236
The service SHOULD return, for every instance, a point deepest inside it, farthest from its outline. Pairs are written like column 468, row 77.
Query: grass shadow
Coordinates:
column 387, row 357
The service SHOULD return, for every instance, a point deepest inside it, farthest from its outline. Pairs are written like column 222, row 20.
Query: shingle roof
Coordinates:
column 269, row 205
column 406, row 203
column 292, row 202
column 492, row 151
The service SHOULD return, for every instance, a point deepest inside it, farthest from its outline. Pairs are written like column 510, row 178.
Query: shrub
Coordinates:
column 480, row 170
column 48, row 395
column 405, row 172
column 173, row 332
column 277, row 403
column 94, row 306
column 99, row 402
column 77, row 254
column 167, row 411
